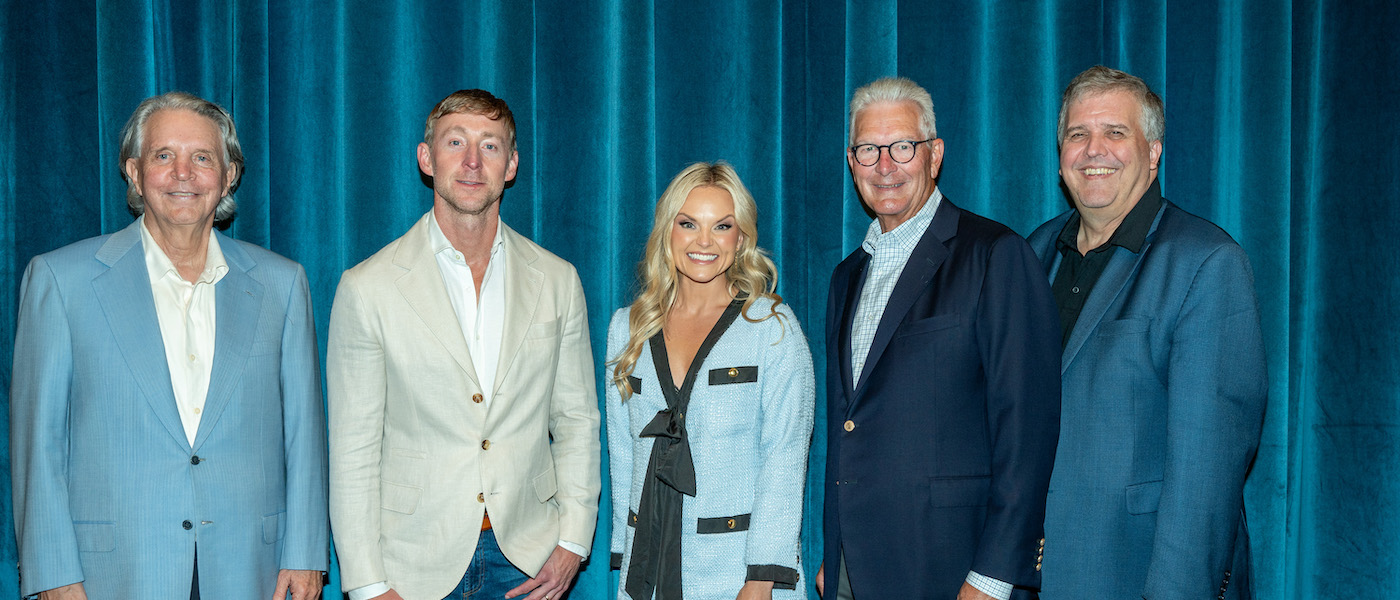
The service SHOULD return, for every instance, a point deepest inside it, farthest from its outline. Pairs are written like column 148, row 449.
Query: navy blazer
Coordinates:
column 1164, row 392
column 939, row 455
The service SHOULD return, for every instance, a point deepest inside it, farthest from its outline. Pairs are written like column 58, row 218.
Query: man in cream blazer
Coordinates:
column 463, row 415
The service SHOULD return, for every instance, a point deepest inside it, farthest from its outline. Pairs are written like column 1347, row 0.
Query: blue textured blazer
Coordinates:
column 107, row 488
column 939, row 454
column 1164, row 392
column 750, row 425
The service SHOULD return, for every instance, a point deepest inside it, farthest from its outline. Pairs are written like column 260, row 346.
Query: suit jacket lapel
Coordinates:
column 422, row 287
column 928, row 255
column 124, row 291
column 1111, row 284
column 852, row 274
column 523, row 284
column 237, row 309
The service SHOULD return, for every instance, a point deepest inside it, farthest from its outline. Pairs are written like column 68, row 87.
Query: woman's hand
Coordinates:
column 756, row 590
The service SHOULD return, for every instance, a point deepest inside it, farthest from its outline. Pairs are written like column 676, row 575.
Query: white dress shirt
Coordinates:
column 186, row 314
column 889, row 251
column 482, row 319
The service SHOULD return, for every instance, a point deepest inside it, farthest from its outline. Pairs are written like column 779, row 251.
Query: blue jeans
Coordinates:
column 490, row 575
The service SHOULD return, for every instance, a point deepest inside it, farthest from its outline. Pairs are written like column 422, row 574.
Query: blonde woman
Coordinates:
column 709, row 407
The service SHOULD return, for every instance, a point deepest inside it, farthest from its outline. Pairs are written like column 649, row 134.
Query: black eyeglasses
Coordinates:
column 901, row 152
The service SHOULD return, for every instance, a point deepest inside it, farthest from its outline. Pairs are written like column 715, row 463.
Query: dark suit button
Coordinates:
column 194, row 460
column 187, row 525
column 1227, row 577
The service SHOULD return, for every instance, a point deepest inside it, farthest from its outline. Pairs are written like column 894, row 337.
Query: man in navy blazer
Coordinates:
column 1163, row 368
column 942, row 392
column 166, row 426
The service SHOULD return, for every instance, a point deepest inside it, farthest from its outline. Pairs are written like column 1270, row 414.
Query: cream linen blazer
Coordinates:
column 416, row 457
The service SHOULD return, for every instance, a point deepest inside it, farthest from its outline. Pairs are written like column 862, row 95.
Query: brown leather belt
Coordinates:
column 485, row 521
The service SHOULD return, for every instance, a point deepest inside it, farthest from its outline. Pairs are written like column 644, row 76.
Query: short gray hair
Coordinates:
column 134, row 134
column 1099, row 79
column 895, row 89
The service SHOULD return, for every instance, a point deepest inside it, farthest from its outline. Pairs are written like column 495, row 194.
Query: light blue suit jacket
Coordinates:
column 107, row 488
column 1164, row 387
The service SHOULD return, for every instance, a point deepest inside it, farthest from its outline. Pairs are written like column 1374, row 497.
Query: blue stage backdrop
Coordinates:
column 1281, row 127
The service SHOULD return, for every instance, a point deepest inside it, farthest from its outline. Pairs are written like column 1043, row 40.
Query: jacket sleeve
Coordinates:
column 1019, row 339
column 306, row 544
column 619, row 440
column 39, row 436
column 1216, row 385
column 357, row 386
column 574, row 425
column 788, row 400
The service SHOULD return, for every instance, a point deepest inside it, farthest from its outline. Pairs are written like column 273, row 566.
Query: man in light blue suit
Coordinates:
column 167, row 429
column 1163, row 374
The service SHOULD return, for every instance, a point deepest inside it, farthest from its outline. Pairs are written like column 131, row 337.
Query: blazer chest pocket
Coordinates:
column 543, row 331
column 726, row 375
column 930, row 324
column 95, row 536
column 1124, row 326
column 949, row 492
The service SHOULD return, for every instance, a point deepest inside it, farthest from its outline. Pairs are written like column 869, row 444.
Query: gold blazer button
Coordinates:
column 730, row 522
column 485, row 444
column 481, row 498
column 733, row 372
column 850, row 425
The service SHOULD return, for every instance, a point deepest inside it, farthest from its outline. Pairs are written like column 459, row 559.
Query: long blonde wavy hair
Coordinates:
column 752, row 274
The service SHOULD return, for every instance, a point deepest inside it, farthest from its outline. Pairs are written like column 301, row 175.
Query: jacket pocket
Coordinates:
column 399, row 498
column 1125, row 326
column 545, row 485
column 725, row 375
column 272, row 527
column 95, row 536
column 1143, row 497
column 930, row 324
column 949, row 492
column 723, row 524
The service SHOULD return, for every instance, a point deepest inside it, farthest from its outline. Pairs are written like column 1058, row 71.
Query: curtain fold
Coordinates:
column 1280, row 128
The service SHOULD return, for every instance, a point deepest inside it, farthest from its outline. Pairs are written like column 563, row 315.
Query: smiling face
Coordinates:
column 894, row 191
column 1106, row 161
column 470, row 161
column 704, row 237
column 181, row 172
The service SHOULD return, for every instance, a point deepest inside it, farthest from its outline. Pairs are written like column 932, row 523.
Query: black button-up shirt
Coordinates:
column 1080, row 272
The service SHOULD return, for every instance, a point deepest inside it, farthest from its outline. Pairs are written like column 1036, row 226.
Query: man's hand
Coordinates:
column 297, row 585
column 72, row 591
column 554, row 577
column 820, row 572
column 756, row 590
column 971, row 593
column 389, row 595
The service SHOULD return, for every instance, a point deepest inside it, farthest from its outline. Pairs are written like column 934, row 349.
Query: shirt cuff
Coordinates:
column 995, row 588
column 571, row 547
column 369, row 591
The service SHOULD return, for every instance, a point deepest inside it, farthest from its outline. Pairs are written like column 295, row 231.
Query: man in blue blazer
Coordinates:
column 1163, row 368
column 942, row 391
column 167, row 429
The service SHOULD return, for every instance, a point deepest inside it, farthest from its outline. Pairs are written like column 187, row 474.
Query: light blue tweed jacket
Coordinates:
column 749, row 440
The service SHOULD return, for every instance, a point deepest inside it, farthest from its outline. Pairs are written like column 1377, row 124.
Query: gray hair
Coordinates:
column 895, row 89
column 134, row 134
column 1099, row 79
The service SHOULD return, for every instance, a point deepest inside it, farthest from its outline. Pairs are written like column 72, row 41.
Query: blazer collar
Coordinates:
column 124, row 293
column 238, row 299
column 918, row 272
column 421, row 286
column 524, row 283
column 1121, row 269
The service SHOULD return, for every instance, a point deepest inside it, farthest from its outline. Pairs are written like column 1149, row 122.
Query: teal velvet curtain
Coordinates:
column 1281, row 127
